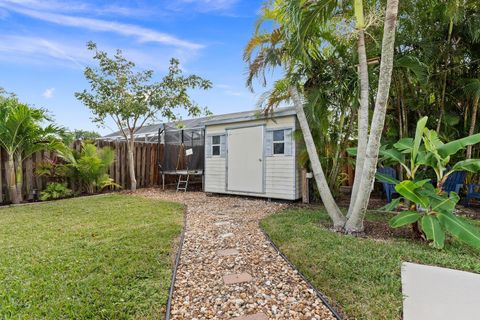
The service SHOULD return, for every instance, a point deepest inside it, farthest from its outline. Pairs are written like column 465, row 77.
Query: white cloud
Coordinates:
column 48, row 93
column 38, row 48
column 80, row 7
column 211, row 5
column 47, row 52
column 228, row 90
column 141, row 33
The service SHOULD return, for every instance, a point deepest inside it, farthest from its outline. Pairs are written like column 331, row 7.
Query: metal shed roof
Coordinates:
column 152, row 130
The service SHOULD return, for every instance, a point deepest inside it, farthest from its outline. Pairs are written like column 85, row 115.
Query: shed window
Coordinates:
column 279, row 142
column 215, row 145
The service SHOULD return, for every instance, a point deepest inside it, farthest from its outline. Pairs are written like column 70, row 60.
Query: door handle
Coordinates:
column 260, row 159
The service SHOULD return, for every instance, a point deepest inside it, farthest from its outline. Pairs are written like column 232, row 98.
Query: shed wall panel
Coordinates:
column 281, row 171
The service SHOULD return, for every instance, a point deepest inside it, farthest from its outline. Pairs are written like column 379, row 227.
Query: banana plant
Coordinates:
column 434, row 214
column 432, row 209
column 427, row 150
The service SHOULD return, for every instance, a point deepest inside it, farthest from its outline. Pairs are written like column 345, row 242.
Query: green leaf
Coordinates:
column 443, row 203
column 470, row 165
column 404, row 218
column 393, row 154
column 391, row 206
column 405, row 145
column 453, row 147
column 418, row 137
column 433, row 230
column 460, row 229
column 408, row 189
column 352, row 151
column 382, row 177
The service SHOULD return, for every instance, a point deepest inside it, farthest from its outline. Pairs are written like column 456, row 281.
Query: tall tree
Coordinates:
column 131, row 99
column 364, row 97
column 365, row 184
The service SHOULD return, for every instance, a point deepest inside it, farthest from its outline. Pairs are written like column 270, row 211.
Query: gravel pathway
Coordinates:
column 228, row 269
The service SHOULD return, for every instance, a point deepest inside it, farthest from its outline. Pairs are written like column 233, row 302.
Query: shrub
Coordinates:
column 55, row 190
column 90, row 166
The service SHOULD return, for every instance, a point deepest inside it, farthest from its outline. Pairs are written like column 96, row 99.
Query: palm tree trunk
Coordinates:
column 328, row 201
column 19, row 176
column 355, row 221
column 131, row 163
column 473, row 123
column 10, row 173
column 363, row 108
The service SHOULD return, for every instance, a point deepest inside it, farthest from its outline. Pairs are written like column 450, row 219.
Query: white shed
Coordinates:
column 248, row 154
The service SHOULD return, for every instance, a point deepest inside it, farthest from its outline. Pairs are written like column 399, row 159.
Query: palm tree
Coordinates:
column 21, row 135
column 296, row 45
column 299, row 55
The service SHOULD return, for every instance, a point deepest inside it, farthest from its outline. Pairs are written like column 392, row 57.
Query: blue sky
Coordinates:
column 43, row 53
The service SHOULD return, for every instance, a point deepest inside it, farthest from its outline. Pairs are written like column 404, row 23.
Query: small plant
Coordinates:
column 51, row 169
column 428, row 208
column 55, row 190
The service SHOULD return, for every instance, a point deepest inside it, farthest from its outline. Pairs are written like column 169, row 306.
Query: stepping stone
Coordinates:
column 237, row 278
column 256, row 316
column 222, row 223
column 226, row 235
column 227, row 252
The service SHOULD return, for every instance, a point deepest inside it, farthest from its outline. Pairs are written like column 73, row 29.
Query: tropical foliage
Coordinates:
column 89, row 167
column 314, row 42
column 432, row 209
column 21, row 134
column 55, row 190
column 332, row 50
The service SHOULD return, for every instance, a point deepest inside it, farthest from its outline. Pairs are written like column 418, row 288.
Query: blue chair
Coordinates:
column 471, row 193
column 388, row 188
column 454, row 182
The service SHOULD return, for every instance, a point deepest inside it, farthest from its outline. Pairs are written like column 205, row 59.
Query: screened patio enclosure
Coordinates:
column 183, row 151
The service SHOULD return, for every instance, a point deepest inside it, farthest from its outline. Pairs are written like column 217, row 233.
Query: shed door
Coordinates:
column 245, row 159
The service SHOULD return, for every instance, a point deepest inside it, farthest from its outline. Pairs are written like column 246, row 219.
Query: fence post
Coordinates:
column 305, row 188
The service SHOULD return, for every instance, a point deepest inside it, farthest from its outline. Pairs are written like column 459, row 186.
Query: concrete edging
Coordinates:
column 320, row 295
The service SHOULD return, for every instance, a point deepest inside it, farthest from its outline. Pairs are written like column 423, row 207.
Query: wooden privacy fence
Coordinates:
column 146, row 169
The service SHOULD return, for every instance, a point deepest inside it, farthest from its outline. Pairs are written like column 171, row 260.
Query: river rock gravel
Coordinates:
column 228, row 269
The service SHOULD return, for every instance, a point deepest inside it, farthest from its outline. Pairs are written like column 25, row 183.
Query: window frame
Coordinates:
column 219, row 145
column 274, row 142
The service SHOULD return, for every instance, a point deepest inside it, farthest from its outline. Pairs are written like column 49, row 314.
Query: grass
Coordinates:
column 104, row 257
column 360, row 275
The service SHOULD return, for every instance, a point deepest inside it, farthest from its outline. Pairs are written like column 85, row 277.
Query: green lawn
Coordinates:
column 104, row 257
column 360, row 275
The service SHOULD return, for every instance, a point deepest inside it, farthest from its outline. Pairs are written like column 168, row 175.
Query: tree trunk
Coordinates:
column 355, row 222
column 131, row 163
column 473, row 123
column 444, row 78
column 10, row 173
column 363, row 108
column 328, row 201
column 19, row 176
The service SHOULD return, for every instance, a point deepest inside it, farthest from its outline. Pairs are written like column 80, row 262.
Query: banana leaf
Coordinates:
column 460, row 229
column 382, row 177
column 470, row 165
column 408, row 189
column 404, row 218
column 453, row 147
column 433, row 230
